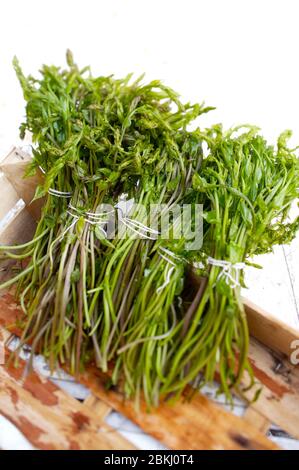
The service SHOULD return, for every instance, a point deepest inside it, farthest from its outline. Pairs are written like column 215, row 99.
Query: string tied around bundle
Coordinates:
column 93, row 218
column 230, row 271
column 63, row 194
column 142, row 230
column 56, row 192
column 167, row 279
column 168, row 256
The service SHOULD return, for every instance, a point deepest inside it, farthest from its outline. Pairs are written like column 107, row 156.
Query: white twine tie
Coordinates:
column 167, row 255
column 230, row 271
column 55, row 192
column 137, row 227
column 167, row 279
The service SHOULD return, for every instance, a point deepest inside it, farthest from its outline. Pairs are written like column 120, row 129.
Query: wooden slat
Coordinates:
column 15, row 155
column 279, row 398
column 13, row 167
column 50, row 418
column 10, row 199
column 268, row 330
column 19, row 230
column 24, row 187
column 100, row 408
column 200, row 424
column 257, row 419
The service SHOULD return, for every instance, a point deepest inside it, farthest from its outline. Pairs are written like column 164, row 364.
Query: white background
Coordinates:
column 240, row 56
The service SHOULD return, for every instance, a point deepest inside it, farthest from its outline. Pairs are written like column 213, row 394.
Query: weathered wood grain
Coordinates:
column 14, row 166
column 100, row 408
column 199, row 424
column 50, row 418
column 279, row 398
column 257, row 419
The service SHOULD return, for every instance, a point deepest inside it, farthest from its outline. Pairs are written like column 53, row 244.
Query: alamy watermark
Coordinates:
column 154, row 221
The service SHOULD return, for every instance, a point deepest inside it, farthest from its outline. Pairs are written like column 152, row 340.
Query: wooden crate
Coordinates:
column 50, row 418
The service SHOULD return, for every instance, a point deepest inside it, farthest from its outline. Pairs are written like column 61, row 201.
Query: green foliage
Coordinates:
column 125, row 302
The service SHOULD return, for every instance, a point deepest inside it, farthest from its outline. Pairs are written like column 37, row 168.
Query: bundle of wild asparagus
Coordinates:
column 120, row 300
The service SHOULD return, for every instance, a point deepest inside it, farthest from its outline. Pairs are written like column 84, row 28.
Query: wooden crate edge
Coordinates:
column 270, row 331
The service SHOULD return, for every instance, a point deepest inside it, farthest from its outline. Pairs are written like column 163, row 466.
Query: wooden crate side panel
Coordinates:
column 15, row 155
column 9, row 196
column 19, row 230
column 14, row 167
column 25, row 187
column 268, row 330
column 278, row 381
